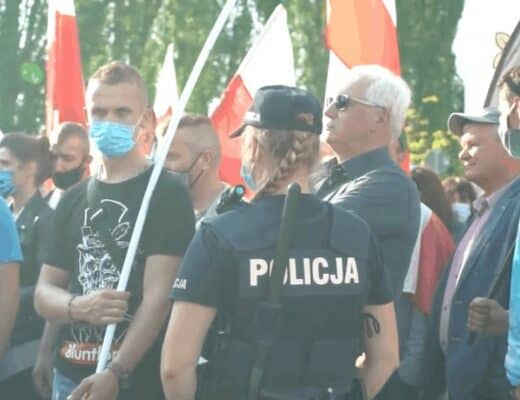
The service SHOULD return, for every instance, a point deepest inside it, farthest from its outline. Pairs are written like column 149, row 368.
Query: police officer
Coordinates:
column 336, row 299
column 25, row 163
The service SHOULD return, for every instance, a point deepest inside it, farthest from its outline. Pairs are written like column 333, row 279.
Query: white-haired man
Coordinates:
column 367, row 114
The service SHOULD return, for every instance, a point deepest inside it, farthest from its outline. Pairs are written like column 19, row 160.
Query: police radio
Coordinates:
column 230, row 198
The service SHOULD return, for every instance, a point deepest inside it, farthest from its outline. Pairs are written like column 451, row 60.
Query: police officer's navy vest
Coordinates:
column 325, row 287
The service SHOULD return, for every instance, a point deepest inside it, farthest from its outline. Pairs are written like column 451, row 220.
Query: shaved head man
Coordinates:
column 195, row 155
column 71, row 155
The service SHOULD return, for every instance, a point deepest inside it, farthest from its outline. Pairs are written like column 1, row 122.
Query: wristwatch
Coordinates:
column 122, row 375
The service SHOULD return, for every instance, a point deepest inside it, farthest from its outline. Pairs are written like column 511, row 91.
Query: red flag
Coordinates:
column 65, row 97
column 166, row 92
column 269, row 62
column 437, row 247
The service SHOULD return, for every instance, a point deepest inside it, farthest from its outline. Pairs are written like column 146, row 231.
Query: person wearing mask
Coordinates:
column 71, row 156
column 195, row 156
column 461, row 194
column 224, row 278
column 489, row 316
column 25, row 163
column 92, row 227
column 475, row 371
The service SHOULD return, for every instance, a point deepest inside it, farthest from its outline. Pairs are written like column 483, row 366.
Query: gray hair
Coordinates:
column 388, row 90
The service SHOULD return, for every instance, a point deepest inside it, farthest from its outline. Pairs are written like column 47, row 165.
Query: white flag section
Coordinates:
column 166, row 92
column 359, row 32
column 482, row 33
column 260, row 67
column 337, row 76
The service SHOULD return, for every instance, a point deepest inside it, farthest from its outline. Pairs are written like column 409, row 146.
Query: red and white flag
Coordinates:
column 269, row 62
column 360, row 32
column 65, row 96
column 433, row 249
column 166, row 92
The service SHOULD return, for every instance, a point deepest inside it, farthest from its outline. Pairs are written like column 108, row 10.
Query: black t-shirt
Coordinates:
column 77, row 247
column 335, row 268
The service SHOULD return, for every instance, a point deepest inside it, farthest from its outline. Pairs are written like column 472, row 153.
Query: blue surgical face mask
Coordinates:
column 248, row 178
column 113, row 139
column 7, row 187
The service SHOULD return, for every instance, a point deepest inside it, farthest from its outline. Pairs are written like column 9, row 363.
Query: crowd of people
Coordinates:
column 362, row 281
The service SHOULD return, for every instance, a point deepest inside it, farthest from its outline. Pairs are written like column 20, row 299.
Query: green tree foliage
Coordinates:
column 139, row 31
column 426, row 30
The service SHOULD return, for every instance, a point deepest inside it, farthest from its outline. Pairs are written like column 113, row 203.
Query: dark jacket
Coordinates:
column 474, row 371
column 33, row 226
column 376, row 189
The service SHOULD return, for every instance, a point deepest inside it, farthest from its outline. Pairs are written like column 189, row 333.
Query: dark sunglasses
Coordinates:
column 342, row 101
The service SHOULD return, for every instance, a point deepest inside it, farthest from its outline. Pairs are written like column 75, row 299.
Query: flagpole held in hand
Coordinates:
column 159, row 162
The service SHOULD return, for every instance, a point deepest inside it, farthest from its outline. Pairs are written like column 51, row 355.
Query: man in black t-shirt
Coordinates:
column 92, row 229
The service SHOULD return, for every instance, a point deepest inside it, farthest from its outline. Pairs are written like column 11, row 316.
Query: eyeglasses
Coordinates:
column 342, row 101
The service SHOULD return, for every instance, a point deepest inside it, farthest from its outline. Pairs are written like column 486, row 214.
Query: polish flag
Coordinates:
column 269, row 62
column 360, row 32
column 166, row 92
column 433, row 249
column 65, row 97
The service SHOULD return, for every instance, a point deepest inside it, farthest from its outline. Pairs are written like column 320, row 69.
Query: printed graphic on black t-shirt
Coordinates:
column 91, row 236
column 97, row 270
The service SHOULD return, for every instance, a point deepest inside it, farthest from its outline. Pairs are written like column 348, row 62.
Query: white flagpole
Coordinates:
column 159, row 162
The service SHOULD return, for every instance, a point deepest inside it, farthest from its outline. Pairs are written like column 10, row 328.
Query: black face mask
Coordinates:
column 65, row 180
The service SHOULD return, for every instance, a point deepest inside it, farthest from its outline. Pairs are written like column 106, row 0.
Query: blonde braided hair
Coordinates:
column 287, row 150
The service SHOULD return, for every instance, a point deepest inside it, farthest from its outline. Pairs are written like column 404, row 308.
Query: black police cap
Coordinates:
column 283, row 107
